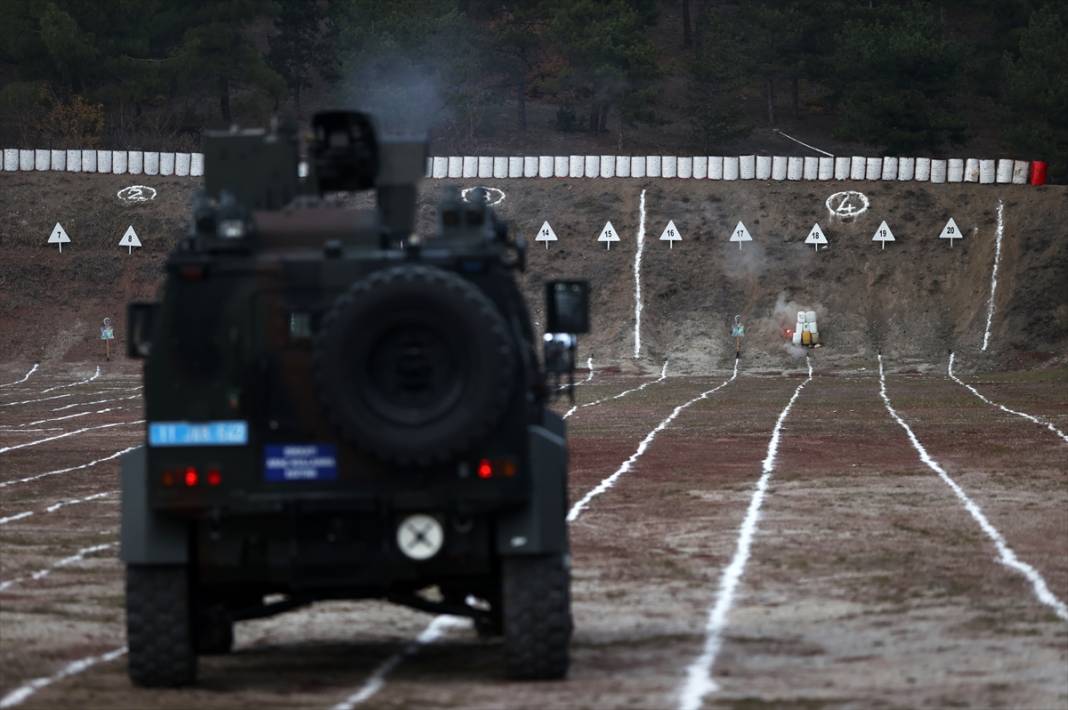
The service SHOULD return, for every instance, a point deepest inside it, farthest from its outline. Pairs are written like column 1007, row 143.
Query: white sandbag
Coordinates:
column 119, row 162
column 873, row 168
column 794, row 167
column 515, row 166
column 826, row 168
column 889, row 168
column 74, row 161
column 652, row 165
column 923, row 169
column 196, row 164
column 857, row 167
column 730, row 168
column 622, row 166
column 811, row 170
column 576, row 165
column 685, row 167
column 715, row 167
column 954, row 170
column 700, row 167
column 135, row 162
column 1020, row 171
column 470, row 166
column 456, row 166
column 26, row 159
column 11, row 159
column 778, row 167
column 747, row 167
column 971, row 170
column 906, row 168
column 561, row 166
column 842, row 167
column 592, row 166
column 485, row 166
column 638, row 164
column 182, row 164
column 669, row 166
column 530, row 166
column 608, row 166
column 1004, row 171
column 41, row 159
column 440, row 169
column 166, row 164
column 57, row 160
column 545, row 166
column 938, row 171
column 500, row 167
column 152, row 163
column 763, row 167
column 987, row 172
column 104, row 159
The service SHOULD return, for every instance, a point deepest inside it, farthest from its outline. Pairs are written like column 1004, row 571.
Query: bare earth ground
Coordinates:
column 868, row 584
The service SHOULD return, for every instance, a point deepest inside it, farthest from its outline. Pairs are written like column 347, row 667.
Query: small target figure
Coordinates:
column 737, row 332
column 107, row 334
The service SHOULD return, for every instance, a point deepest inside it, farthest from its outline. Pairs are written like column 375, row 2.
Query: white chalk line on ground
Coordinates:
column 66, row 561
column 75, row 384
column 376, row 681
column 58, row 471
column 1036, row 420
column 22, row 693
column 24, row 377
column 56, row 506
column 69, row 433
column 34, row 401
column 624, row 393
column 610, row 481
column 97, row 401
column 71, row 416
column 640, row 244
column 699, row 674
column 810, row 147
column 994, row 273
column 589, row 376
column 1006, row 556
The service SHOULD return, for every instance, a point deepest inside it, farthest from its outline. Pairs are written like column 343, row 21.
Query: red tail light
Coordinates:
column 214, row 477
column 485, row 469
column 191, row 477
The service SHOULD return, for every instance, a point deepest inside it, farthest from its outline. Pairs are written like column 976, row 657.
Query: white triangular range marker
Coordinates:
column 671, row 234
column 883, row 234
column 130, row 239
column 951, row 231
column 741, row 234
column 59, row 236
column 608, row 235
column 816, row 236
column 546, row 234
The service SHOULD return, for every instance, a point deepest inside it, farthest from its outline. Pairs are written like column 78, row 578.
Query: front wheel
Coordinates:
column 537, row 616
column 159, row 626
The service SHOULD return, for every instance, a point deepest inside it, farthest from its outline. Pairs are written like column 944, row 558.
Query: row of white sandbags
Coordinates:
column 745, row 167
column 118, row 162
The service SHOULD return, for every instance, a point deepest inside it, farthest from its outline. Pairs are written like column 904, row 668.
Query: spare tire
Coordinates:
column 414, row 364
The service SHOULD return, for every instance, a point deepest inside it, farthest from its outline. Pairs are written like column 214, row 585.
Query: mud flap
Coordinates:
column 147, row 538
column 540, row 527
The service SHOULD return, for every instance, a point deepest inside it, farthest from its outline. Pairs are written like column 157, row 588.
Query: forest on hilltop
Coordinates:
column 925, row 77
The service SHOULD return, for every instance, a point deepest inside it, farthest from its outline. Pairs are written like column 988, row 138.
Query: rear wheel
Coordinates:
column 159, row 626
column 537, row 616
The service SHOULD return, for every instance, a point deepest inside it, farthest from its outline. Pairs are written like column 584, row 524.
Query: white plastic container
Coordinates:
column 439, row 172
column 811, row 170
column 119, row 162
column 608, row 166
column 730, row 168
column 152, row 163
column 685, row 167
column 906, row 168
column 196, row 164
column 971, row 170
column 545, row 166
column 857, row 167
column 763, row 167
column 1020, row 171
column 715, row 167
column 135, row 162
column 470, row 166
column 166, row 163
column 669, row 166
column 794, row 168
column 41, row 159
column 747, row 167
column 485, row 166
column 530, row 166
column 11, row 159
column 623, row 166
column 592, row 166
column 842, row 167
column 74, row 161
column 515, row 166
column 1004, row 171
column 873, row 169
column 987, row 172
column 826, row 171
column 652, row 165
column 58, row 160
column 26, row 159
column 889, row 168
column 182, row 164
column 778, row 167
column 923, row 169
column 637, row 166
column 700, row 167
column 561, row 166
column 954, row 170
column 938, row 171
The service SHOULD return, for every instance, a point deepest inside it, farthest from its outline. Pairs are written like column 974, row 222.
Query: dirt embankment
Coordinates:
column 917, row 299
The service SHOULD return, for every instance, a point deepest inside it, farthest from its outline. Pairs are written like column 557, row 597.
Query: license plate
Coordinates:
column 300, row 462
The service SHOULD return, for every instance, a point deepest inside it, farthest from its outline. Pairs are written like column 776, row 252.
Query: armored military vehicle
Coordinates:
column 339, row 407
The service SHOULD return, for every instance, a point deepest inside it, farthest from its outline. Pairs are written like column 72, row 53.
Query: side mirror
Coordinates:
column 140, row 321
column 567, row 307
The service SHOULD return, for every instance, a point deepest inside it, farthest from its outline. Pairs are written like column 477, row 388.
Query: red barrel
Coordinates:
column 1038, row 172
